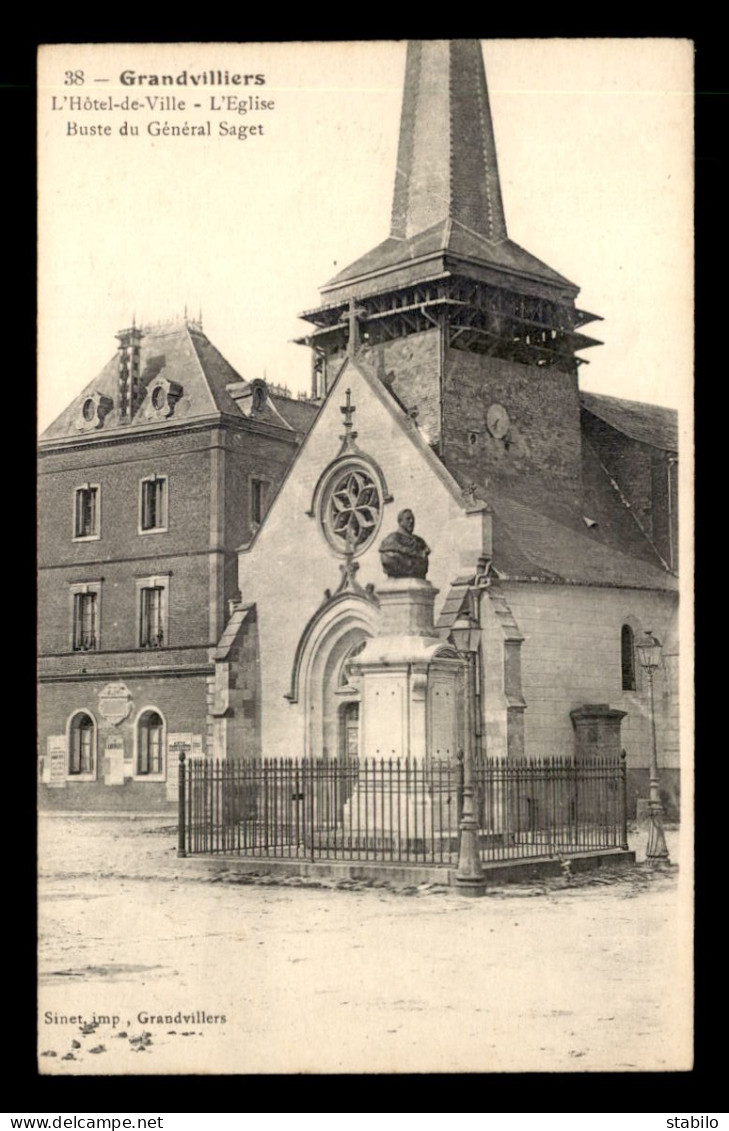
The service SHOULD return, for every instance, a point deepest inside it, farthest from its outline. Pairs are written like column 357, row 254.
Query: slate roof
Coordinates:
column 299, row 414
column 531, row 545
column 448, row 238
column 647, row 423
column 447, row 202
column 182, row 353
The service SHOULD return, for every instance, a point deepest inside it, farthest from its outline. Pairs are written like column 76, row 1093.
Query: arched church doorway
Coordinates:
column 330, row 694
column 339, row 694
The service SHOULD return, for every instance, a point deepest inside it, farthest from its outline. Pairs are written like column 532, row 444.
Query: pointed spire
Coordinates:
column 446, row 163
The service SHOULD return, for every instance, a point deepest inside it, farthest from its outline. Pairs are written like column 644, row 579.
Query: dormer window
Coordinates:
column 93, row 411
column 250, row 396
column 161, row 399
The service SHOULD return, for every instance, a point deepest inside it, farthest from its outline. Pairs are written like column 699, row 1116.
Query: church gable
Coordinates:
column 361, row 464
column 360, row 431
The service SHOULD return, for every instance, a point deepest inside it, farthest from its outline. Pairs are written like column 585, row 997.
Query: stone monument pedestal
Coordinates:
column 597, row 730
column 413, row 708
column 597, row 736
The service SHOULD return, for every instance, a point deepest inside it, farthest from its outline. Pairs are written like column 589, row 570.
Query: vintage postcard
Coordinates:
column 365, row 413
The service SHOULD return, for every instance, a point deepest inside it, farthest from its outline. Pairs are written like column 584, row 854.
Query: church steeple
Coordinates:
column 464, row 326
column 446, row 161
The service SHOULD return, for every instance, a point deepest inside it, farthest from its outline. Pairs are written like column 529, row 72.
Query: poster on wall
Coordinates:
column 177, row 744
column 55, row 768
column 423, row 292
column 115, row 769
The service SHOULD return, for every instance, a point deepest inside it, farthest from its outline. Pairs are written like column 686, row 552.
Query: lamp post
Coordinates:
column 469, row 873
column 649, row 654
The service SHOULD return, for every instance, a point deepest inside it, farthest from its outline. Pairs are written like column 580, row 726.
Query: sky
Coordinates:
column 595, row 151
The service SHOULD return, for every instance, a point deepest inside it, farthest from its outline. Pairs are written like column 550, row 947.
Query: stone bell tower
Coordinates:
column 474, row 335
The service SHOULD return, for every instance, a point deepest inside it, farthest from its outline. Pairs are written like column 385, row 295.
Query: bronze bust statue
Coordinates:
column 404, row 554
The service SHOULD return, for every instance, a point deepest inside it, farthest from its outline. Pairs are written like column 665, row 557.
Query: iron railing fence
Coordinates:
column 398, row 810
column 550, row 806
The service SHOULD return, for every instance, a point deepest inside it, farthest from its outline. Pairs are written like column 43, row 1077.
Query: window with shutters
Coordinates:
column 81, row 745
column 85, row 616
column 86, row 512
column 150, row 744
column 151, row 630
column 153, row 505
column 152, row 599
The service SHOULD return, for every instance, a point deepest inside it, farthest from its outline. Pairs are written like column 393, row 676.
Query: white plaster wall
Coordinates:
column 571, row 656
column 290, row 563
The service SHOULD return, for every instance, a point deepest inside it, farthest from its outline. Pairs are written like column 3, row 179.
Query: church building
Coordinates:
column 444, row 384
column 446, row 360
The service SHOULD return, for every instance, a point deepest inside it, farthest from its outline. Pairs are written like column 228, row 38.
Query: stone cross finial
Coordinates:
column 347, row 410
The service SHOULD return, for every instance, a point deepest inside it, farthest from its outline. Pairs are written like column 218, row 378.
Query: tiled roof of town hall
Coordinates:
column 181, row 353
column 648, row 423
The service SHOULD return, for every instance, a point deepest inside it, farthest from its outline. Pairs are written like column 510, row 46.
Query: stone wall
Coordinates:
column 181, row 702
column 208, row 475
column 571, row 657
column 415, row 360
column 543, row 440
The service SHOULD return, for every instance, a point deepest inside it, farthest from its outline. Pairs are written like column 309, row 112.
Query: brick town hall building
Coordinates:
column 209, row 567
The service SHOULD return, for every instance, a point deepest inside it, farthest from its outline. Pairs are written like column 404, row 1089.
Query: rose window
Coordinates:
column 351, row 510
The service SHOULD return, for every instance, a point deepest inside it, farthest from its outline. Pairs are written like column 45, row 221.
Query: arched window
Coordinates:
column 81, row 745
column 627, row 658
column 149, row 743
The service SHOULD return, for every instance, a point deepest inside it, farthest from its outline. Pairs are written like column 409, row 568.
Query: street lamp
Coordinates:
column 465, row 636
column 649, row 654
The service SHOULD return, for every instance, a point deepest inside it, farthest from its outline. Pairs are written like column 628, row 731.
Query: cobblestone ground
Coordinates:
column 141, row 959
